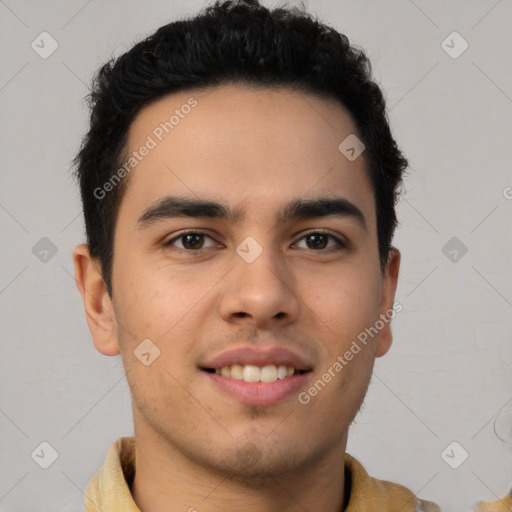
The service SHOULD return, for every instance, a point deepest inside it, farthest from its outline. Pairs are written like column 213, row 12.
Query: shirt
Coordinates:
column 503, row 505
column 109, row 488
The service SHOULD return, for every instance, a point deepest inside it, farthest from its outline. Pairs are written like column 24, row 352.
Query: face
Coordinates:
column 269, row 277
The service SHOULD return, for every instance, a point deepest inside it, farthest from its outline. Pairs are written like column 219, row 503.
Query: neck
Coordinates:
column 167, row 480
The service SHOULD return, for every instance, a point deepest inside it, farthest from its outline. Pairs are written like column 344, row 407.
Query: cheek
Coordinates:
column 162, row 304
column 152, row 298
column 347, row 301
column 159, row 390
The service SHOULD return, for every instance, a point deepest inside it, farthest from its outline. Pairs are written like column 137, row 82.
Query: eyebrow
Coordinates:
column 297, row 209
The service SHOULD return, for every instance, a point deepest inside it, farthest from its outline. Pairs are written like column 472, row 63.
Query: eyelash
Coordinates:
column 341, row 245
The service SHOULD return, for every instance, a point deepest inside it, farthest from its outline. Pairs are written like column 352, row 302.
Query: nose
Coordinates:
column 260, row 293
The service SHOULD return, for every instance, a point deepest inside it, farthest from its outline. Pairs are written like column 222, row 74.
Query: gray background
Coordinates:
column 447, row 377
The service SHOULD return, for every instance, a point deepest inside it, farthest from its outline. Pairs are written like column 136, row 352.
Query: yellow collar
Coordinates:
column 109, row 489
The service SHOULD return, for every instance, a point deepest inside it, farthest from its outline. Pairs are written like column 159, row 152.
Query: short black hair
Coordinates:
column 232, row 42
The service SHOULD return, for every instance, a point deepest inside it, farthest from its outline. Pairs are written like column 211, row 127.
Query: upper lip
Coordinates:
column 258, row 356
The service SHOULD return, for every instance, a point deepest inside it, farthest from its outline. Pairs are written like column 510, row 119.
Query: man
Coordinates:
column 238, row 183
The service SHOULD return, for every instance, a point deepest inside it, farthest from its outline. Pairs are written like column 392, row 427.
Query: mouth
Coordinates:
column 253, row 373
column 252, row 389
column 257, row 375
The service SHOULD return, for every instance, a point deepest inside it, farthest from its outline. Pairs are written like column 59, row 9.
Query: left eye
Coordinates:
column 318, row 240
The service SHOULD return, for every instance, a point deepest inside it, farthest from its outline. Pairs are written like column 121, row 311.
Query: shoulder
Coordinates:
column 503, row 505
column 368, row 494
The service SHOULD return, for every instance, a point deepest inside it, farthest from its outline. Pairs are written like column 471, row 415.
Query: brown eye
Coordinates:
column 319, row 240
column 189, row 241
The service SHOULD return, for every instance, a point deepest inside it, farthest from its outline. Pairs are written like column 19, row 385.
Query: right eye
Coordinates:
column 191, row 241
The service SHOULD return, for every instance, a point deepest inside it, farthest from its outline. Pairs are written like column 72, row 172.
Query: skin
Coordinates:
column 254, row 149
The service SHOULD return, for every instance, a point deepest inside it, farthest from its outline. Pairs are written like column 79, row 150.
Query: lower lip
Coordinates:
column 260, row 393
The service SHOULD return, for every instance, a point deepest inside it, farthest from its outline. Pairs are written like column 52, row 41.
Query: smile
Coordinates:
column 255, row 391
column 253, row 373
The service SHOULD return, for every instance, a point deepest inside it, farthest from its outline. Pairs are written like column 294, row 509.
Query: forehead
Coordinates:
column 253, row 148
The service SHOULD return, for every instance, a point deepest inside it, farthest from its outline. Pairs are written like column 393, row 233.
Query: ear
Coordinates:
column 388, row 288
column 98, row 306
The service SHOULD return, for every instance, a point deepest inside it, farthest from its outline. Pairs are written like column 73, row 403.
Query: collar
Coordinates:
column 109, row 489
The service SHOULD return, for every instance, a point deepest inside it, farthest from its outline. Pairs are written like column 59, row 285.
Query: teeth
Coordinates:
column 268, row 373
column 251, row 373
column 282, row 372
column 237, row 372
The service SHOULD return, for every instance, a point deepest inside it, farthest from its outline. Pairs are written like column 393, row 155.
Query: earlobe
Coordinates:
column 98, row 306
column 389, row 283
